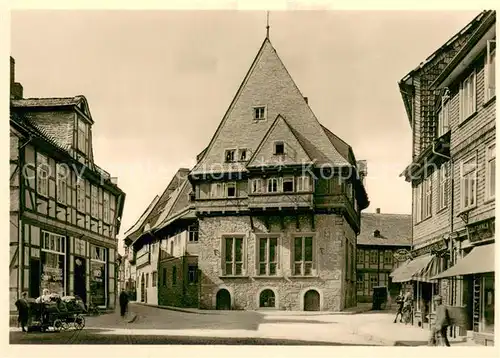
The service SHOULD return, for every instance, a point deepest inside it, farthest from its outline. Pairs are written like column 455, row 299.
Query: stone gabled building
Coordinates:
column 278, row 198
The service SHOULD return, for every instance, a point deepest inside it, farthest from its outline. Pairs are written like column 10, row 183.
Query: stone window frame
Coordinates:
column 314, row 262
column 222, row 258
column 279, row 245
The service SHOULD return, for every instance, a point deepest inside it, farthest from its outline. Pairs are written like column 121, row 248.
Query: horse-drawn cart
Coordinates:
column 58, row 313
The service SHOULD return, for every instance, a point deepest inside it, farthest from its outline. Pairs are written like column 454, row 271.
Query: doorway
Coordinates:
column 267, row 299
column 311, row 301
column 79, row 277
column 34, row 283
column 223, row 300
column 143, row 289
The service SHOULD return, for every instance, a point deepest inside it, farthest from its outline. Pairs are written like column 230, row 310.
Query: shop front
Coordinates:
column 417, row 273
column 53, row 264
column 477, row 269
column 98, row 276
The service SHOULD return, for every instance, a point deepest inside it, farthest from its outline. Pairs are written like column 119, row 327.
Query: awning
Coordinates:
column 418, row 269
column 480, row 260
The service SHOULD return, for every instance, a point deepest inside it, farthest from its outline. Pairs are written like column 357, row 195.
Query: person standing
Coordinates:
column 123, row 302
column 400, row 300
column 441, row 324
column 23, row 310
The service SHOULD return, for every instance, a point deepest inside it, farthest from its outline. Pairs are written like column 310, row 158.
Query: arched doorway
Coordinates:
column 311, row 301
column 223, row 300
column 267, row 298
column 143, row 288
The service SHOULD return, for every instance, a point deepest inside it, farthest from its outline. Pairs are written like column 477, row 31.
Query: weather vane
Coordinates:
column 267, row 26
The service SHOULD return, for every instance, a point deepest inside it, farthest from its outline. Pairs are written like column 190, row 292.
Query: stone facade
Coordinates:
column 183, row 290
column 330, row 237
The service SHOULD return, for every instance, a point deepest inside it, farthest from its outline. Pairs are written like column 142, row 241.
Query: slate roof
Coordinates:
column 143, row 217
column 395, row 229
column 58, row 127
column 168, row 211
column 47, row 102
column 298, row 113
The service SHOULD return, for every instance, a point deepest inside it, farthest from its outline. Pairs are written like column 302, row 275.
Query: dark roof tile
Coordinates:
column 395, row 229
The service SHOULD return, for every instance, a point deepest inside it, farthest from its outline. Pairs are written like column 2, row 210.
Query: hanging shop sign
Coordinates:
column 481, row 231
column 401, row 255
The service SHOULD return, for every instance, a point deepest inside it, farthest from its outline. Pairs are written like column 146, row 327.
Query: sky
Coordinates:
column 159, row 82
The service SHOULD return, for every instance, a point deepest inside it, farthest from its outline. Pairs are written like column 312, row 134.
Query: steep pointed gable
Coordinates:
column 267, row 84
column 279, row 132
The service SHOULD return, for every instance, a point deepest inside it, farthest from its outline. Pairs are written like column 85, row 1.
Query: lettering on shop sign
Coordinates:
column 434, row 248
column 482, row 230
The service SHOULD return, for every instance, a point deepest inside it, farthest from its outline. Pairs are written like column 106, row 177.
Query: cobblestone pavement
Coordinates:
column 159, row 326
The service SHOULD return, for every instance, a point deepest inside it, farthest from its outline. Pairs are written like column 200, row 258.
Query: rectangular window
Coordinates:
column 256, row 185
column 303, row 256
column 443, row 189
column 469, row 184
column 105, row 209
column 387, row 257
column 418, row 202
column 360, row 257
column 468, row 96
column 373, row 257
column 243, row 155
column 444, row 119
column 193, row 233
column 80, row 195
column 268, row 256
column 233, row 256
column 490, row 172
column 217, row 190
column 62, row 187
column 98, row 253
column 229, row 155
column 53, row 242
column 373, row 281
column 303, row 183
column 279, row 148
column 359, row 282
column 192, row 274
column 489, row 70
column 154, row 278
column 174, row 276
column 272, row 185
column 288, row 186
column 43, row 172
column 82, row 136
column 164, row 276
column 259, row 113
column 231, row 190
column 94, row 202
column 427, row 197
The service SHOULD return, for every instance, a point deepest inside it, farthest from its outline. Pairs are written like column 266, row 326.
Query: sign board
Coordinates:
column 401, row 255
column 482, row 231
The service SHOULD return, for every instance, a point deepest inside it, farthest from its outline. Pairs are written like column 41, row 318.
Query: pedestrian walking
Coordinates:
column 440, row 328
column 400, row 300
column 123, row 302
column 23, row 310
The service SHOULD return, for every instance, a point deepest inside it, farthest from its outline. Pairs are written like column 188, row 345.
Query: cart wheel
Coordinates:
column 58, row 325
column 79, row 322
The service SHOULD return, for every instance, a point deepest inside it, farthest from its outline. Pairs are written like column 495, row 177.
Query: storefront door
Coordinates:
column 80, row 288
column 34, row 284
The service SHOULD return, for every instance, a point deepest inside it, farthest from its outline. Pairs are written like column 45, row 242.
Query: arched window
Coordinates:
column 267, row 299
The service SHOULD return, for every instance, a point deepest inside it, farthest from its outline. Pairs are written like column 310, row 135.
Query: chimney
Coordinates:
column 377, row 210
column 306, row 99
column 16, row 89
column 114, row 180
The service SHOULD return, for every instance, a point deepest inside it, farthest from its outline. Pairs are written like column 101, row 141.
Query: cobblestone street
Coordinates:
column 160, row 326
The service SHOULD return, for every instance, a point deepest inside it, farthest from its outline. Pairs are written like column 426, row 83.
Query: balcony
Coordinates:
column 337, row 201
column 222, row 205
column 143, row 260
column 280, row 201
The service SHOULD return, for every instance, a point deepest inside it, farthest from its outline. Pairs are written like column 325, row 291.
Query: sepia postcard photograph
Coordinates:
column 260, row 177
